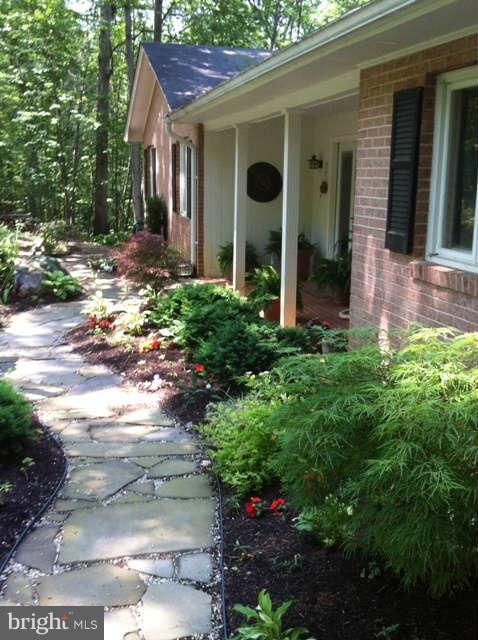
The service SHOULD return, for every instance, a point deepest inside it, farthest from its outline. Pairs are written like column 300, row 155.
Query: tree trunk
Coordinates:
column 135, row 150
column 158, row 20
column 100, row 213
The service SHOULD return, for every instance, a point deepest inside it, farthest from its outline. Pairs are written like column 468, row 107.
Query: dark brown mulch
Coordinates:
column 169, row 365
column 330, row 597
column 30, row 487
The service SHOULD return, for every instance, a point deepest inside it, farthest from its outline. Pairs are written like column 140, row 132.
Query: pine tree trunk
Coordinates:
column 158, row 20
column 100, row 213
column 135, row 150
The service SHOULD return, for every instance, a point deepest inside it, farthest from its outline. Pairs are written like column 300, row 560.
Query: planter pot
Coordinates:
column 304, row 257
column 272, row 313
column 340, row 296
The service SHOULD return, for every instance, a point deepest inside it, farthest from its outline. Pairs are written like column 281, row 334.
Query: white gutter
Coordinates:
column 347, row 25
column 182, row 140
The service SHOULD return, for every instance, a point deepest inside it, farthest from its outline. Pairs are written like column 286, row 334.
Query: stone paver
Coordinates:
column 123, row 502
column 98, row 481
column 172, row 468
column 196, row 567
column 172, row 611
column 117, row 530
column 38, row 549
column 108, row 585
column 195, row 487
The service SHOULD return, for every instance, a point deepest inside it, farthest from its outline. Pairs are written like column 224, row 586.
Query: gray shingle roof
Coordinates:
column 187, row 71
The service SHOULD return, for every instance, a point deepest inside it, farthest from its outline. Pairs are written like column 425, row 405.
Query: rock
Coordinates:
column 119, row 623
column 18, row 589
column 148, row 416
column 106, row 585
column 30, row 273
column 98, row 481
column 173, row 611
column 129, row 450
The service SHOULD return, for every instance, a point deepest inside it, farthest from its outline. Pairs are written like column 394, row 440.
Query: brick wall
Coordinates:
column 390, row 289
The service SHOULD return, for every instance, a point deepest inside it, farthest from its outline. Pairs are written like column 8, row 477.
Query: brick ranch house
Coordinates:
column 364, row 132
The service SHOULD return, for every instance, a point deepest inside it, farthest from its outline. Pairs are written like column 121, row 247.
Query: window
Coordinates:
column 186, row 181
column 453, row 227
column 146, row 175
column 174, row 168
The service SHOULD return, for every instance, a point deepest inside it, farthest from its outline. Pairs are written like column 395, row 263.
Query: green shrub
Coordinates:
column 8, row 253
column 110, row 239
column 55, row 236
column 157, row 215
column 244, row 444
column 61, row 285
column 15, row 420
column 378, row 448
column 223, row 331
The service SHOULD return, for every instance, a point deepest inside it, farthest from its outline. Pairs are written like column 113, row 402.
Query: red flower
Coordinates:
column 280, row 502
column 198, row 368
column 255, row 500
column 250, row 510
column 155, row 344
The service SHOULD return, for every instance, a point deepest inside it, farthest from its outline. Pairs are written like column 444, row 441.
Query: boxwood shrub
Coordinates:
column 15, row 420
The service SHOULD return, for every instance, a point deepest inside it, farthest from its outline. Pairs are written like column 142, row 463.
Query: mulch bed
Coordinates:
column 30, row 487
column 168, row 365
column 331, row 599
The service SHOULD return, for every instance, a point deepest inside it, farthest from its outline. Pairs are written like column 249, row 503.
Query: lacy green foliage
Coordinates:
column 335, row 273
column 265, row 622
column 146, row 258
column 8, row 253
column 224, row 332
column 15, row 420
column 157, row 215
column 61, row 285
column 244, row 444
column 379, row 448
column 274, row 244
column 226, row 254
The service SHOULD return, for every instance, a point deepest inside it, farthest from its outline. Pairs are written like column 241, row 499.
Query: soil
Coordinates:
column 330, row 597
column 164, row 371
column 31, row 487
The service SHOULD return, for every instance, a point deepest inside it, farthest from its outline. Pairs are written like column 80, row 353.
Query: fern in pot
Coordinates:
column 333, row 277
column 305, row 251
column 265, row 295
column 225, row 257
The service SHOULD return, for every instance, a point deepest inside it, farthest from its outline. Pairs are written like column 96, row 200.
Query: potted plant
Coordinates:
column 333, row 276
column 305, row 251
column 265, row 295
column 225, row 257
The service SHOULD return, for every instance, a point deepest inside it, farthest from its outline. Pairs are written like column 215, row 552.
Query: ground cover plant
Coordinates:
column 61, row 285
column 382, row 445
column 15, row 420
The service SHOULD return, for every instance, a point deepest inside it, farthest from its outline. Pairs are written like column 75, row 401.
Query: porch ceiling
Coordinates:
column 327, row 64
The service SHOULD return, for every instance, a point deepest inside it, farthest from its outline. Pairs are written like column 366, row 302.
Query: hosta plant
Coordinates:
column 265, row 623
column 61, row 285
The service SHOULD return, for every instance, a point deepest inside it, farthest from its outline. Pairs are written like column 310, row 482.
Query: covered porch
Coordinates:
column 313, row 150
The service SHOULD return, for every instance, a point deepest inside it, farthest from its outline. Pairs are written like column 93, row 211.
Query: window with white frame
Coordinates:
column 186, row 180
column 453, row 219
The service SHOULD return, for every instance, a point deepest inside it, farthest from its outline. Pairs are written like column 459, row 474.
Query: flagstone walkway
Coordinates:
column 133, row 528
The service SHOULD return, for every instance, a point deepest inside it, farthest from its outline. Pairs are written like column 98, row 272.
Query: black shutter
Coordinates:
column 146, row 181
column 174, row 169
column 188, row 181
column 402, row 188
column 153, row 171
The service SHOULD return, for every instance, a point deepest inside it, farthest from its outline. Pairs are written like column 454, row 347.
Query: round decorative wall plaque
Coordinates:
column 264, row 182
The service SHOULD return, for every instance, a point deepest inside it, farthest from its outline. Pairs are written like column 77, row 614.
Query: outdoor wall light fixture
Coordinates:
column 315, row 162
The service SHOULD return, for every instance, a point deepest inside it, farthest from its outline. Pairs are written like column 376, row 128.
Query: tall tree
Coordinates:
column 135, row 149
column 100, row 210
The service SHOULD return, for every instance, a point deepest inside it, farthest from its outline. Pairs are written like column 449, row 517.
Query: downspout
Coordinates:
column 183, row 140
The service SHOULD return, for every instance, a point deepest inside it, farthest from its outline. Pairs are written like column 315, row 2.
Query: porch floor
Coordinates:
column 315, row 308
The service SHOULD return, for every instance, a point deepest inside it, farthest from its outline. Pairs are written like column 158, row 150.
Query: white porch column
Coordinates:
column 290, row 218
column 240, row 208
